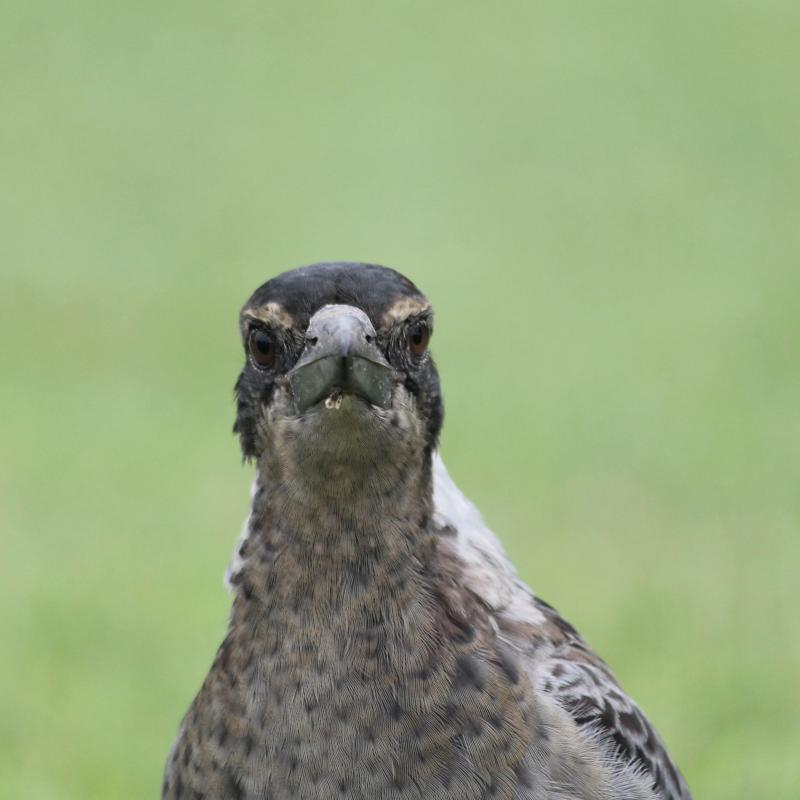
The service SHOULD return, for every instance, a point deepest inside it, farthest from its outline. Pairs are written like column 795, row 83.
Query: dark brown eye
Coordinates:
column 262, row 348
column 418, row 337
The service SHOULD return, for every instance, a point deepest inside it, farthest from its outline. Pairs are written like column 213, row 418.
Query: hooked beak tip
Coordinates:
column 341, row 354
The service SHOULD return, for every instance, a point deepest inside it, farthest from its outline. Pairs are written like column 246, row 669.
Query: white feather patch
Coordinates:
column 236, row 561
column 490, row 574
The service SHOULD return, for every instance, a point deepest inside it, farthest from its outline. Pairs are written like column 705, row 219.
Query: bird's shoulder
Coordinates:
column 557, row 659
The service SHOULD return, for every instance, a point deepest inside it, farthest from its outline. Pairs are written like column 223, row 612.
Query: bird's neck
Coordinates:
column 342, row 591
column 326, row 545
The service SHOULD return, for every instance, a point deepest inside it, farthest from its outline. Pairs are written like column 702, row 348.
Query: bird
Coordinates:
column 380, row 642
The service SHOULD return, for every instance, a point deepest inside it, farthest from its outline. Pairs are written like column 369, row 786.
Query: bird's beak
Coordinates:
column 341, row 354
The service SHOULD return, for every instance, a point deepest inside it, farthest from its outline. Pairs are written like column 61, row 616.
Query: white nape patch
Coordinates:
column 490, row 574
column 236, row 562
column 452, row 508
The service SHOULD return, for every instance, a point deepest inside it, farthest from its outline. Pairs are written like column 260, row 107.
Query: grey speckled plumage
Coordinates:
column 380, row 644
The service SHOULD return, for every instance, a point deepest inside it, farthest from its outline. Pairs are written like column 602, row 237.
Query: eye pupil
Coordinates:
column 262, row 348
column 418, row 338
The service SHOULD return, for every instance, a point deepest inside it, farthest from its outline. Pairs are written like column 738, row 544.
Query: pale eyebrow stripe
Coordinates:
column 404, row 308
column 270, row 313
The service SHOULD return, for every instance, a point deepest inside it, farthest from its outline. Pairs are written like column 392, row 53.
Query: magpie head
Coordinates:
column 338, row 378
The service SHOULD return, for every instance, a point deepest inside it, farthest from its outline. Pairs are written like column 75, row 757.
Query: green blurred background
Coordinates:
column 601, row 199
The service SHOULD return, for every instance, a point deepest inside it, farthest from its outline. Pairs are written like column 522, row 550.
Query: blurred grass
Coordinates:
column 600, row 199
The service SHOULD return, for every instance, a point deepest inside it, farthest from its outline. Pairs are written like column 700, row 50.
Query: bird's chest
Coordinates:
column 368, row 712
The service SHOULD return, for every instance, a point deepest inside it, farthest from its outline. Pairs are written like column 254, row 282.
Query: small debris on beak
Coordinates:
column 334, row 400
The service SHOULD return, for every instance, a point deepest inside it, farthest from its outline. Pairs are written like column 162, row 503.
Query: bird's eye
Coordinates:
column 418, row 337
column 262, row 348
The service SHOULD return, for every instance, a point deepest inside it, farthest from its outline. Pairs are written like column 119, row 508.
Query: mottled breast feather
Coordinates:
column 580, row 702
